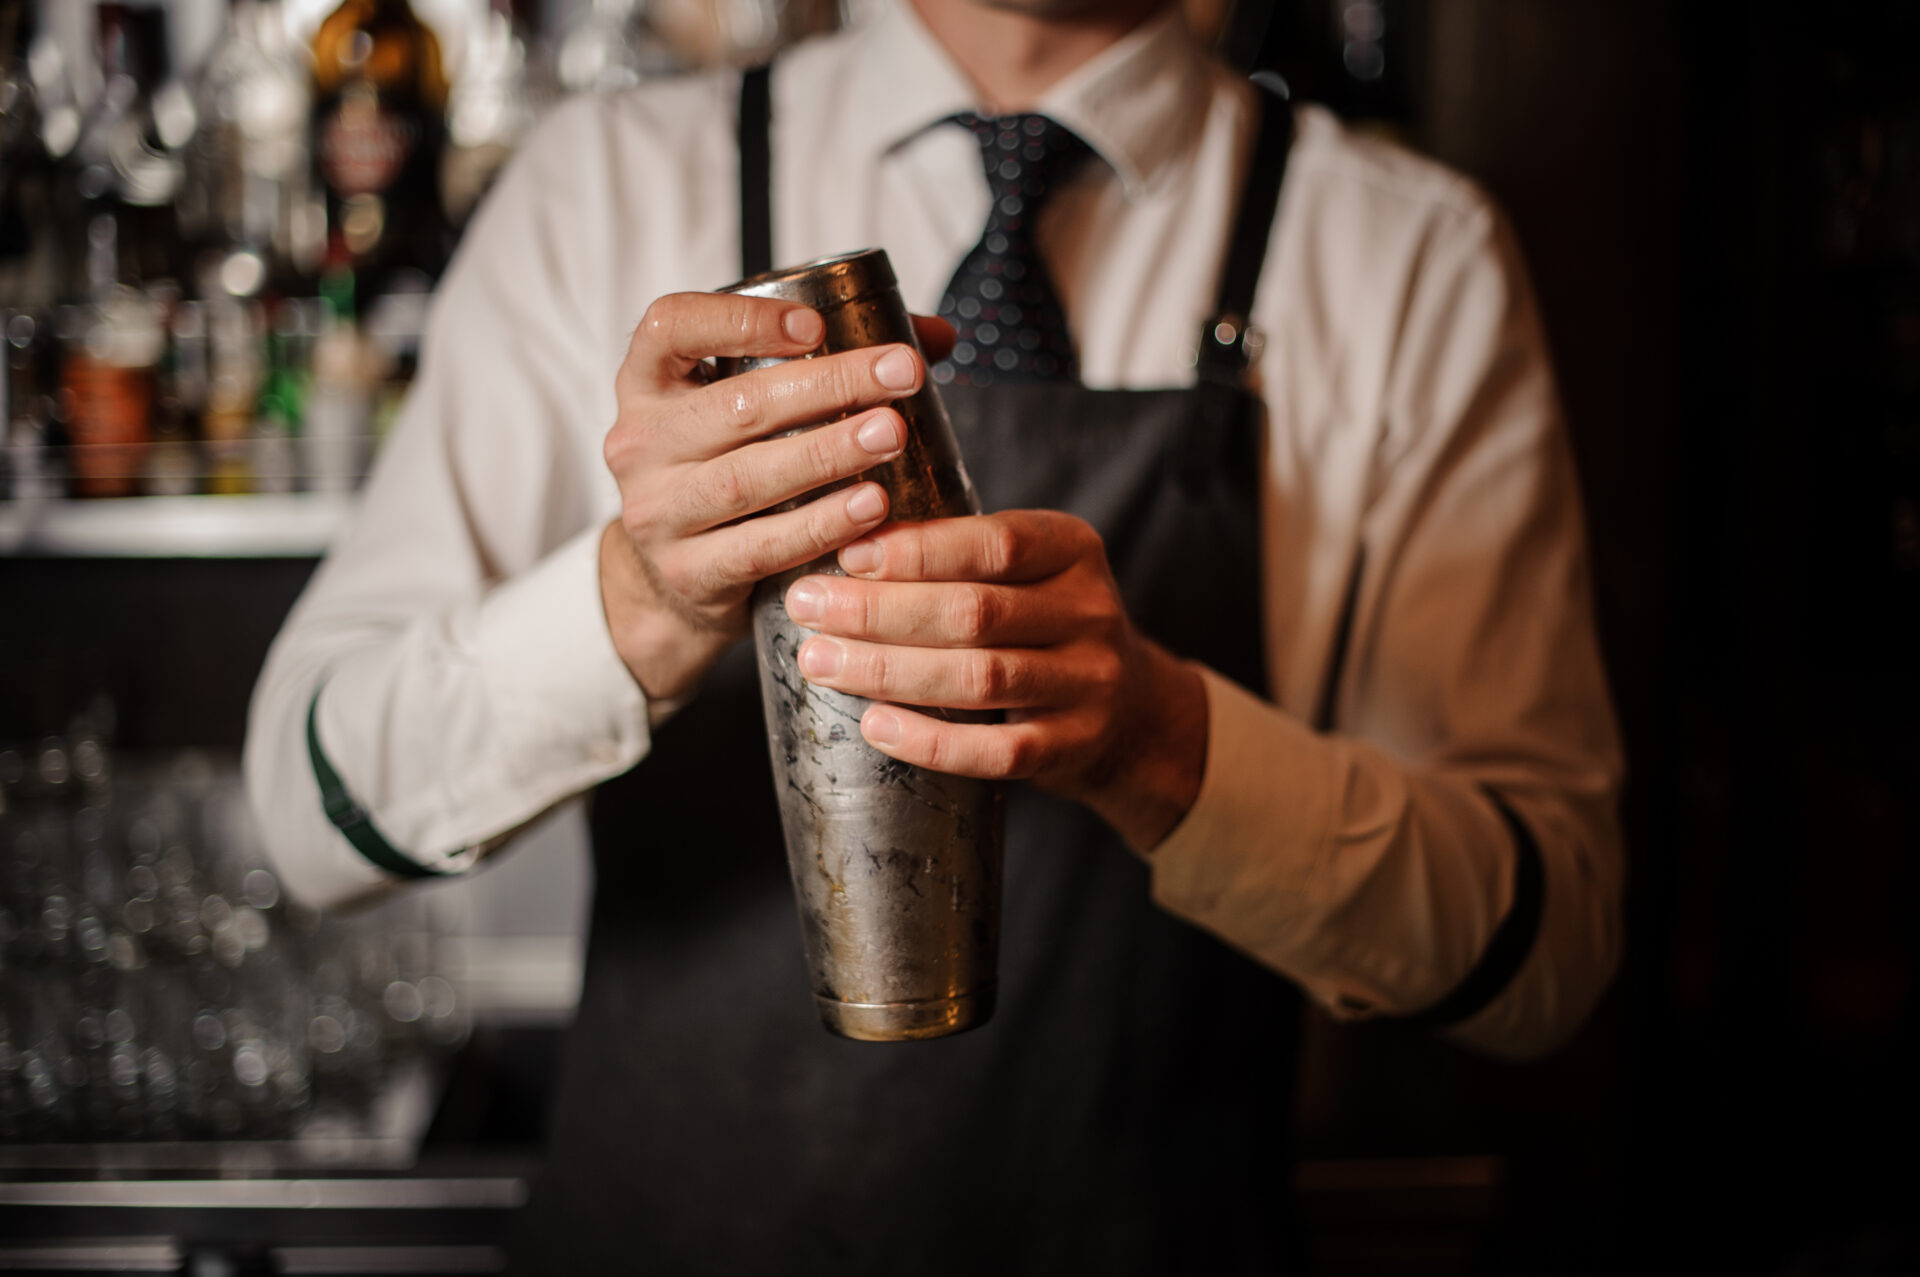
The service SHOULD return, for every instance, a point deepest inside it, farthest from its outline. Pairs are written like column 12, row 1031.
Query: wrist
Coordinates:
column 1154, row 779
column 665, row 655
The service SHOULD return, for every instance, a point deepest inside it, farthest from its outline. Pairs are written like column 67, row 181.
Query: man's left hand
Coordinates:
column 1019, row 612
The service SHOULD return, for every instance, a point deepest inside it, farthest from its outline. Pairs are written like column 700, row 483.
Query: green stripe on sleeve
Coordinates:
column 349, row 817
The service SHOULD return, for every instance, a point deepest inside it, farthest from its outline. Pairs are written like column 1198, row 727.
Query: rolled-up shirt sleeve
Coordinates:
column 449, row 667
column 1375, row 862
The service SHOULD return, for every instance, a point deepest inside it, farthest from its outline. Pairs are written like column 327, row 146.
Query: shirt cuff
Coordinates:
column 553, row 672
column 355, row 823
column 535, row 706
column 1261, row 830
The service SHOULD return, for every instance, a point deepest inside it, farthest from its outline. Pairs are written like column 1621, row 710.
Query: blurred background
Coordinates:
column 220, row 224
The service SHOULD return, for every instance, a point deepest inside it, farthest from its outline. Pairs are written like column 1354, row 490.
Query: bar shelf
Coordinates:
column 262, row 526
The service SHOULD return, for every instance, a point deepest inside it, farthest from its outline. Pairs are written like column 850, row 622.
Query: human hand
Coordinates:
column 1015, row 611
column 693, row 457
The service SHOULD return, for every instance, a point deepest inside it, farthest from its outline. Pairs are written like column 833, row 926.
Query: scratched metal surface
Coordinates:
column 896, row 870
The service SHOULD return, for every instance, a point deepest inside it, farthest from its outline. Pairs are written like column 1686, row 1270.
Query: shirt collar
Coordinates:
column 1137, row 103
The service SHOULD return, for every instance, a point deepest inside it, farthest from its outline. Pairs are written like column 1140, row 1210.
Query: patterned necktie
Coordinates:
column 1001, row 302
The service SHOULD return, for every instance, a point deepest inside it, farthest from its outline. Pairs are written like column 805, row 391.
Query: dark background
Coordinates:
column 1721, row 208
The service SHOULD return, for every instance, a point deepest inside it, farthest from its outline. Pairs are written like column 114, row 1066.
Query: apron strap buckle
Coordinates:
column 1228, row 346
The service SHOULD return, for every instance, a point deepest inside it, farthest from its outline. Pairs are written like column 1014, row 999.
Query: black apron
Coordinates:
column 1126, row 1109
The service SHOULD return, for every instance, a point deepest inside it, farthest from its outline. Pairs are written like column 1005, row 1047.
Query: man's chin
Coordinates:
column 1069, row 10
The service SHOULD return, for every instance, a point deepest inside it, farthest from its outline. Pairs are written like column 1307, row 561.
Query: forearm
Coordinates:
column 1377, row 885
column 449, row 728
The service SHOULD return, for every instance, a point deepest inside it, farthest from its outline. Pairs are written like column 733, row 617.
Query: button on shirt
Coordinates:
column 469, row 681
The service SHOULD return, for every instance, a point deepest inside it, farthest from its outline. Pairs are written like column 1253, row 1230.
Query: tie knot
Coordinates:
column 1025, row 155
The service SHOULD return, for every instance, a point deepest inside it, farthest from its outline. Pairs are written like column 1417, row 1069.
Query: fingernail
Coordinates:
column 881, row 726
column 866, row 504
column 861, row 556
column 821, row 658
column 881, row 435
column 895, row 369
column 806, row 601
column 803, row 325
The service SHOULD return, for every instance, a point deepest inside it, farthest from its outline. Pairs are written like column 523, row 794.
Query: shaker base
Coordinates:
column 906, row 1021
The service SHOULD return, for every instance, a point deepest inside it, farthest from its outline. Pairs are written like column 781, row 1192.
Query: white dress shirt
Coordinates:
column 470, row 682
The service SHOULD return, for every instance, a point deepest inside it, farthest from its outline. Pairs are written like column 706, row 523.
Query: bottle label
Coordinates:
column 109, row 418
column 364, row 147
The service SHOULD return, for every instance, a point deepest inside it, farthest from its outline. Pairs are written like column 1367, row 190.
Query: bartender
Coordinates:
column 1283, row 590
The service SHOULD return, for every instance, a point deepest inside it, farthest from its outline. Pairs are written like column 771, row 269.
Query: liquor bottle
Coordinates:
column 27, row 412
column 20, row 150
column 613, row 45
column 394, row 329
column 6, row 435
column 290, row 360
column 503, row 86
column 173, row 463
column 246, row 203
column 125, row 172
column 380, row 97
column 334, row 439
column 283, row 396
column 111, row 348
column 233, row 393
column 128, row 158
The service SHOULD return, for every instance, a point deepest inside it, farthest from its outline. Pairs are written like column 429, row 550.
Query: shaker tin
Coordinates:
column 896, row 870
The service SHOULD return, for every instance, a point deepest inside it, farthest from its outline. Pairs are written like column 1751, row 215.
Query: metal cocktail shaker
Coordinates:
column 896, row 870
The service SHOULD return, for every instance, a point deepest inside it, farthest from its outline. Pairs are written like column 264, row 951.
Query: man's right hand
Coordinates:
column 692, row 459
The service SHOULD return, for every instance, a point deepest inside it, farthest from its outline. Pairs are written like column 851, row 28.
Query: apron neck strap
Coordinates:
column 756, row 173
column 1223, row 349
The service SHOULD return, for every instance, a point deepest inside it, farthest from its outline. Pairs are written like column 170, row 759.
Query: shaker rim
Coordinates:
column 824, row 282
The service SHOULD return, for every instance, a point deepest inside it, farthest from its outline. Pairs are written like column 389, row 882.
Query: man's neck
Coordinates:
column 1015, row 50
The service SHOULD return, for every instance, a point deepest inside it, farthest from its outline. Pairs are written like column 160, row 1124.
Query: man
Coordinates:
column 1335, row 685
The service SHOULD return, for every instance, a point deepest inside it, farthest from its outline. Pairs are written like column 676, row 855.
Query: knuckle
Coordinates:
column 636, row 525
column 866, row 610
column 741, row 314
column 875, row 667
column 617, row 446
column 826, row 524
column 971, row 612
column 907, row 554
column 1001, row 550
column 1098, row 611
column 732, row 559
column 1105, row 670
column 661, row 321
column 750, row 559
column 1022, row 754
column 942, row 756
column 983, row 677
column 742, row 402
column 726, row 490
column 848, row 383
column 823, row 458
column 671, row 566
